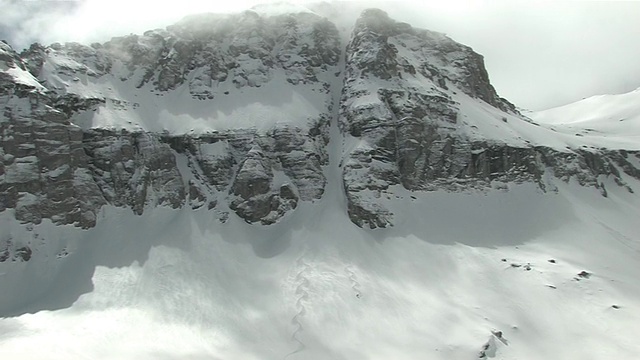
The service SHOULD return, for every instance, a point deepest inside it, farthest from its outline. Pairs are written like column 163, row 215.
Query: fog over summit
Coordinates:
column 539, row 54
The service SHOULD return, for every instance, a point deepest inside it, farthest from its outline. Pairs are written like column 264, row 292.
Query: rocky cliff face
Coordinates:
column 87, row 126
column 402, row 101
column 57, row 170
column 44, row 169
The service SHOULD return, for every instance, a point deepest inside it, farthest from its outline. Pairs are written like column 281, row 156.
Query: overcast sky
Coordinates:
column 539, row 54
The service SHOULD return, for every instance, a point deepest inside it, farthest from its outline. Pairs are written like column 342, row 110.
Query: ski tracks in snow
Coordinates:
column 622, row 239
column 355, row 285
column 302, row 295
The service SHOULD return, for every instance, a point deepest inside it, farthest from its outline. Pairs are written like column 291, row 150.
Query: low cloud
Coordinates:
column 538, row 54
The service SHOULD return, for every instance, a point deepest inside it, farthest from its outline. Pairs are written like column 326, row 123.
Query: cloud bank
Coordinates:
column 539, row 54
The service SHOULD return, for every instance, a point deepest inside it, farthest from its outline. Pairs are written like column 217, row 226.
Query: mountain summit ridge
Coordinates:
column 234, row 113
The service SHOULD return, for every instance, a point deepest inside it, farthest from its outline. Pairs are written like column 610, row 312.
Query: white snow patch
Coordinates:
column 24, row 77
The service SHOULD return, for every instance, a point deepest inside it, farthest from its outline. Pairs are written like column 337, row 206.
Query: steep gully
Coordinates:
column 332, row 196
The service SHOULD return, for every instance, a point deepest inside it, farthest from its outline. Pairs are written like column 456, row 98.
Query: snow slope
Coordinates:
column 598, row 118
column 136, row 109
column 460, row 268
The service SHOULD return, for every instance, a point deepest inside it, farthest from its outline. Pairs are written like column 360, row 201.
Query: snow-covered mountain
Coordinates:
column 266, row 185
column 601, row 118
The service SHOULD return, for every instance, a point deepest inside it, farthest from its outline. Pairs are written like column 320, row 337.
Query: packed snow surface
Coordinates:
column 458, row 269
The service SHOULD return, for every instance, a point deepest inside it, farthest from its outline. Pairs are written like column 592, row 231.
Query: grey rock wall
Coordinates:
column 395, row 100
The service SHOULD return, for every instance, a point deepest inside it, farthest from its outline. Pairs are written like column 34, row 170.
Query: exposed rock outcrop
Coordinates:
column 401, row 102
column 87, row 126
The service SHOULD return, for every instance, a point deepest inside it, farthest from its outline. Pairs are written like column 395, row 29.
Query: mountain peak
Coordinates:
column 280, row 8
column 213, row 87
